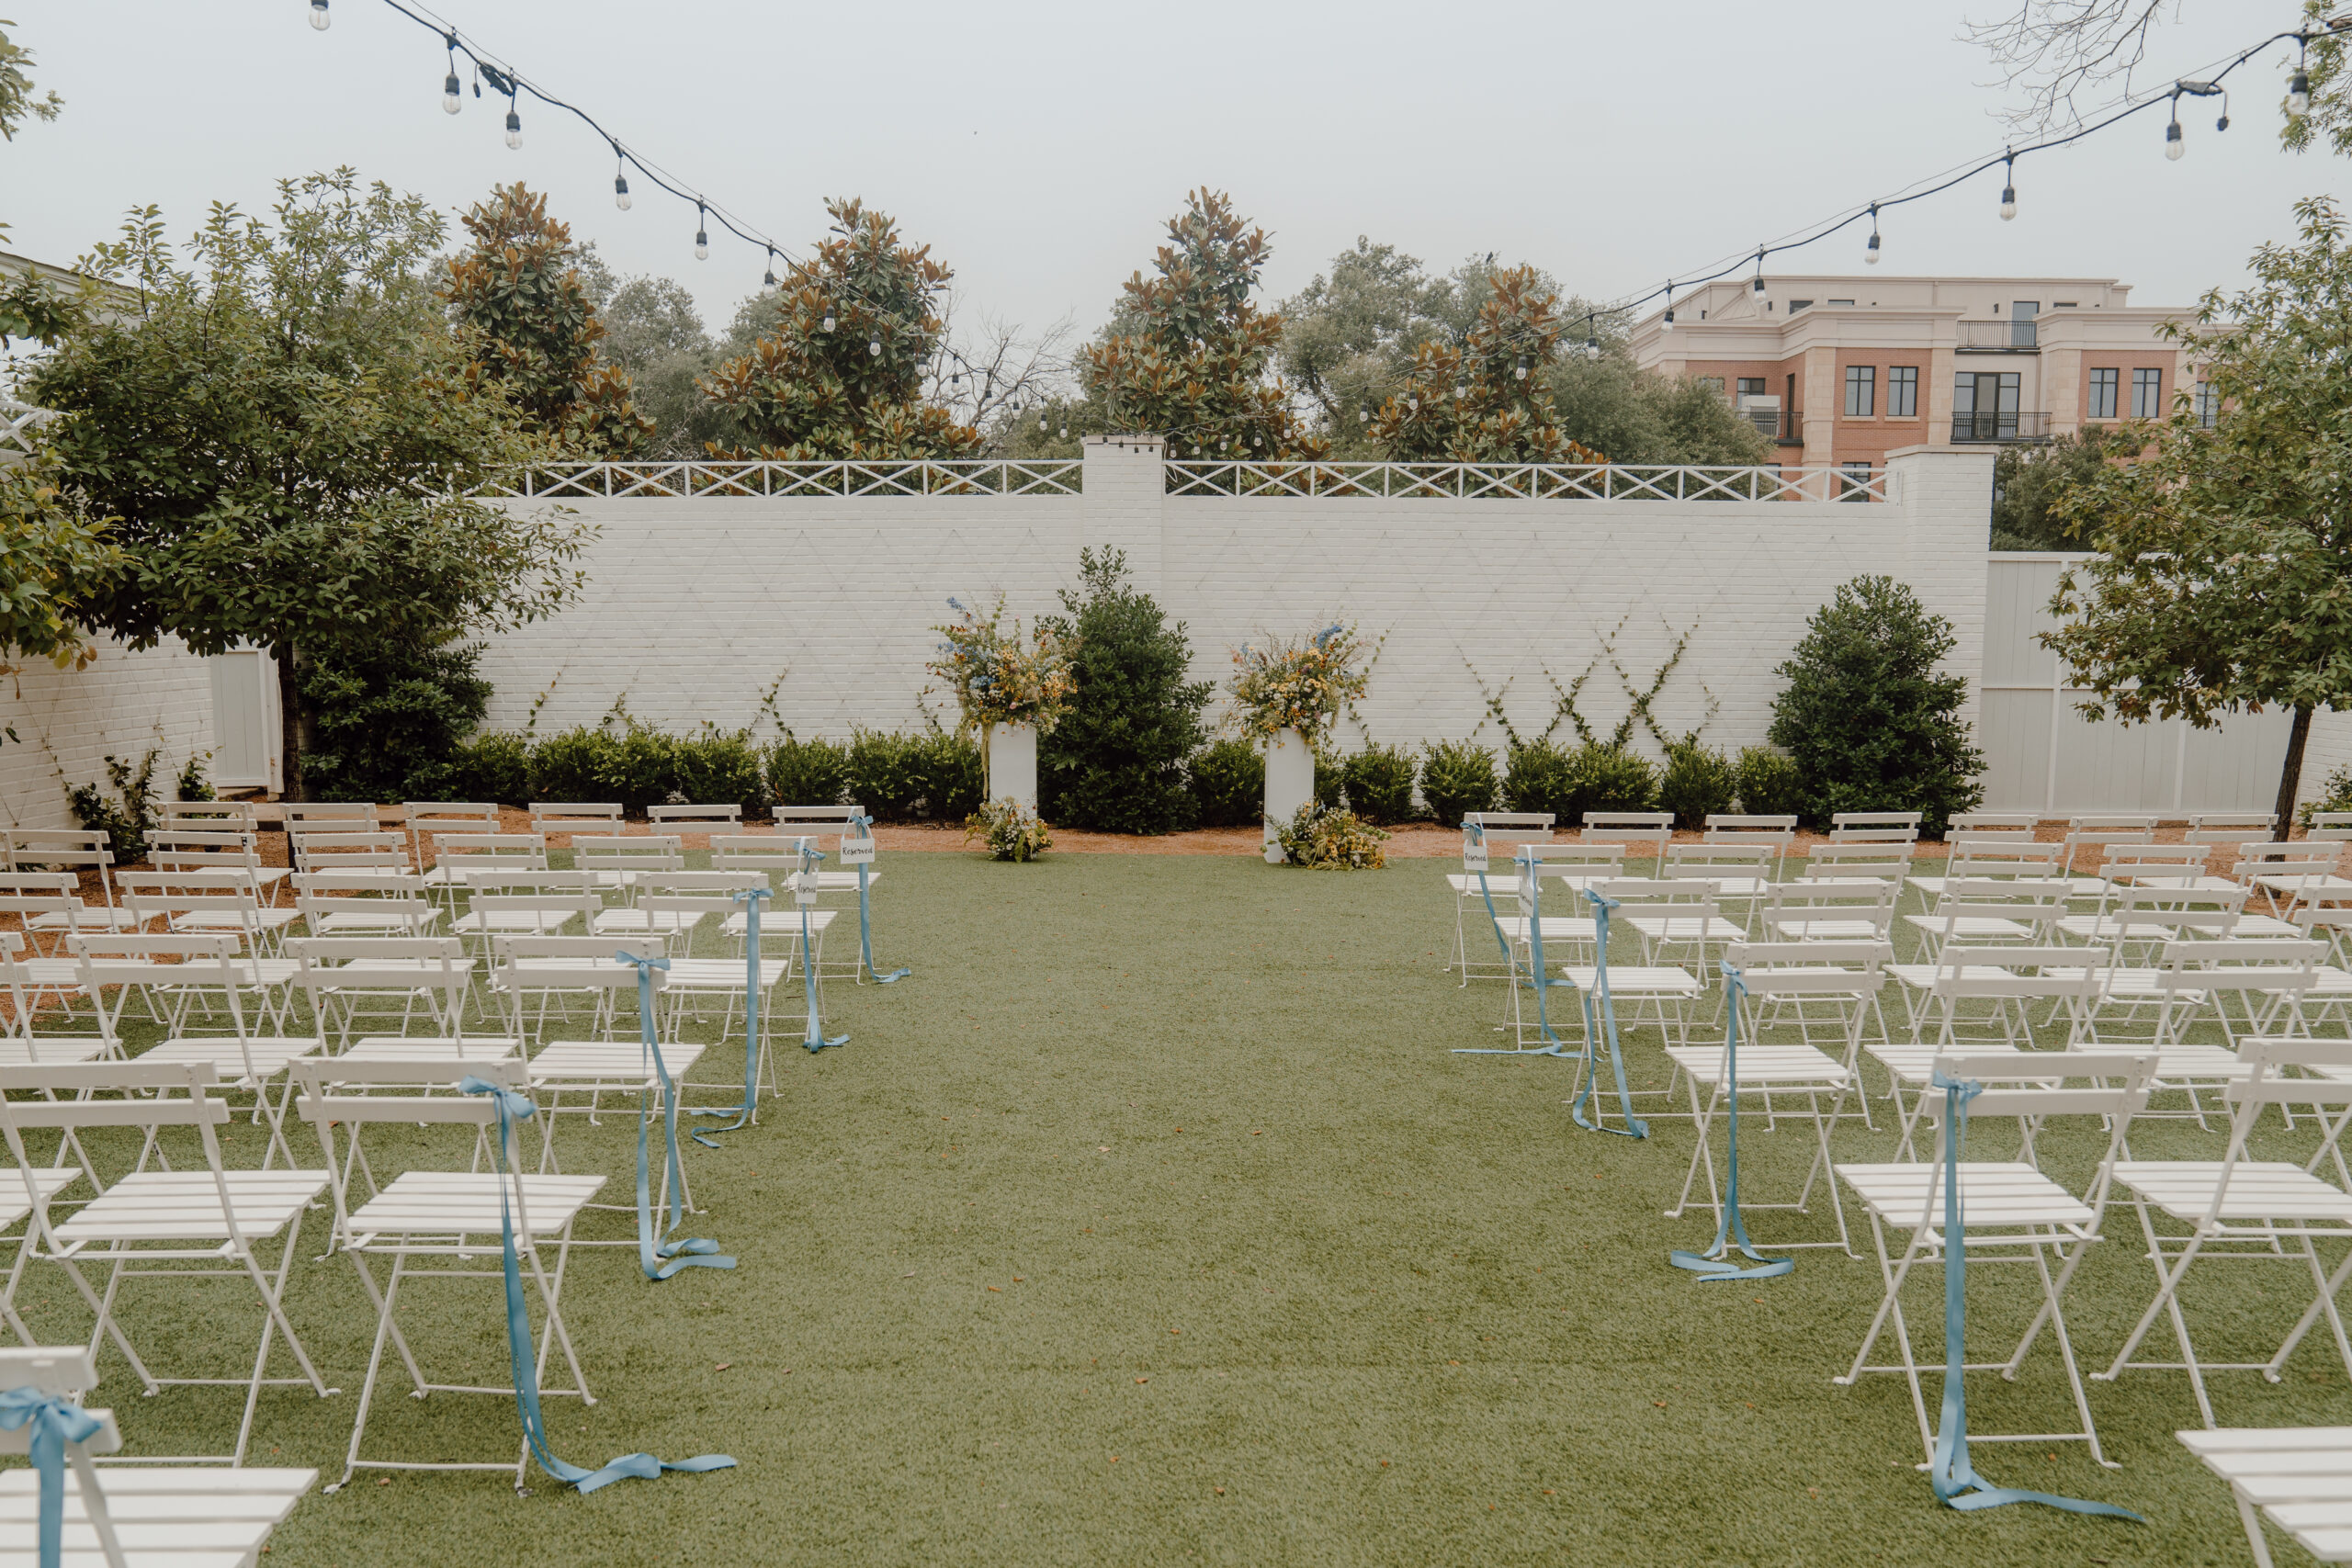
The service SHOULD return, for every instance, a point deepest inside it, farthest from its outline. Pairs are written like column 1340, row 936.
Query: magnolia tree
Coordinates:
column 2223, row 580
column 839, row 372
column 286, row 434
column 1487, row 399
column 1187, row 352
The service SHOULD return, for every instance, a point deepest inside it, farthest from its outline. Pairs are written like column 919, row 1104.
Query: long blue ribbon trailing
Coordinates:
column 862, row 827
column 1954, row 1478
column 698, row 1252
column 1554, row 1045
column 1716, row 1262
column 1635, row 1127
column 511, row 1107
column 751, row 898
column 804, row 894
column 55, row 1421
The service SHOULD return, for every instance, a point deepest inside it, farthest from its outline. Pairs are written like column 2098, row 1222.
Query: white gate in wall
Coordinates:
column 2042, row 755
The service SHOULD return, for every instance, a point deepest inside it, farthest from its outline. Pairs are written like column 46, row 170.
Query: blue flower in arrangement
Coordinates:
column 956, row 605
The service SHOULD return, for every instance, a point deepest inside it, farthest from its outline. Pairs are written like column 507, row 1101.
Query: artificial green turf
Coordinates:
column 1153, row 1220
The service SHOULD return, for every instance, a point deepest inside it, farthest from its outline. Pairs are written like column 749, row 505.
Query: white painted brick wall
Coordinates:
column 696, row 606
column 2329, row 748
column 67, row 721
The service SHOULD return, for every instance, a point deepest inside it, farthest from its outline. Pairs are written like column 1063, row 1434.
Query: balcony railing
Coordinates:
column 1782, row 426
column 2031, row 425
column 966, row 477
column 2007, row 337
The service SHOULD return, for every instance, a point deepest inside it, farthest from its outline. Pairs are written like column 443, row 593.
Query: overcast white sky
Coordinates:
column 1038, row 148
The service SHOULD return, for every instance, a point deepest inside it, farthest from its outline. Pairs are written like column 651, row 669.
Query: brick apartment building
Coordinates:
column 1843, row 370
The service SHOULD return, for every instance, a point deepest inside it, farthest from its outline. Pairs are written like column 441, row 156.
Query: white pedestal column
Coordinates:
column 1290, row 783
column 1013, row 762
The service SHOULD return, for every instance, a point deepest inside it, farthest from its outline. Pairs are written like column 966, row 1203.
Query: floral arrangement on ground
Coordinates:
column 1330, row 838
column 1012, row 831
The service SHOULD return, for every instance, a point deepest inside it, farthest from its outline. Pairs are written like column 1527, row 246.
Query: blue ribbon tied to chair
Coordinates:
column 512, row 1108
column 751, row 898
column 1954, row 1478
column 1607, row 1015
column 1716, row 1262
column 862, row 827
column 804, row 894
column 55, row 1421
column 1475, row 852
column 651, row 1250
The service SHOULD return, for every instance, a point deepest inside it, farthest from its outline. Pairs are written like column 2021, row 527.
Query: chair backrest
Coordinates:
column 791, row 819
column 57, row 1370
column 642, row 851
column 2331, row 923
column 1756, row 858
column 1504, row 831
column 1809, row 968
column 1674, row 898
column 63, row 1086
column 410, row 1090
column 2295, row 866
column 1749, row 827
column 2036, row 1085
column 448, row 814
column 2130, row 913
column 2058, row 973
column 701, row 883
column 486, row 852
column 698, row 812
column 2168, row 859
column 26, row 848
column 761, row 851
column 335, row 815
column 2001, row 854
column 1577, row 856
column 483, row 906
column 529, row 950
column 237, row 815
column 2230, row 827
column 1874, row 827
column 2005, row 822
column 329, row 851
column 333, row 881
column 231, row 898
column 521, row 881
column 2241, row 964
column 1628, row 827
column 2098, row 831
column 384, row 963
column 569, row 815
column 2035, row 903
column 2330, row 826
column 1881, row 858
column 412, row 911
column 1834, row 898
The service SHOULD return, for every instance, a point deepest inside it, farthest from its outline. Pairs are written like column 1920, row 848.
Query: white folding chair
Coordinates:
column 1750, row 827
column 438, row 1226
column 615, row 862
column 707, row 817
column 1500, row 833
column 1874, row 827
column 2239, row 1210
column 1830, row 984
column 2011, row 1211
column 2096, row 832
column 1739, row 874
column 457, row 856
column 76, row 850
column 2139, row 920
column 542, row 981
column 187, row 901
column 170, row 848
column 201, row 1222
column 1524, row 925
column 1828, row 909
column 1680, row 914
column 2008, row 981
column 377, row 853
column 245, row 1058
column 1988, row 857
column 422, row 818
column 550, row 817
column 1986, row 913
column 2299, row 1476
column 22, row 1037
column 1655, row 828
column 2292, row 873
column 2180, row 867
column 139, row 1516
column 360, row 904
column 1842, row 860
column 176, row 978
column 376, row 985
column 2192, row 975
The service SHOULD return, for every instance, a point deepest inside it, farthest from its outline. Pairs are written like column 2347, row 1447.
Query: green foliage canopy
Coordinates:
column 1115, row 762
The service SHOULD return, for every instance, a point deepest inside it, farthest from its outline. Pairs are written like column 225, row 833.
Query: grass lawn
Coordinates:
column 1152, row 1221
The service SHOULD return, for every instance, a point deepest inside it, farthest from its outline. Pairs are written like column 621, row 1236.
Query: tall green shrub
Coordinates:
column 808, row 773
column 1380, row 783
column 492, row 766
column 1608, row 778
column 883, row 775
column 1457, row 778
column 1539, row 776
column 1870, row 725
column 1115, row 760
column 383, row 715
column 720, row 768
column 952, row 777
column 1698, row 781
column 1768, row 784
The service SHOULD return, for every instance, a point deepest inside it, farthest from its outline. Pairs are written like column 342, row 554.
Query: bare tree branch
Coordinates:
column 2052, row 50
column 979, row 374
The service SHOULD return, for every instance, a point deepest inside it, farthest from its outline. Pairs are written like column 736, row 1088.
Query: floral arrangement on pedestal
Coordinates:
column 1303, row 685
column 1330, row 838
column 1011, row 830
column 1000, row 678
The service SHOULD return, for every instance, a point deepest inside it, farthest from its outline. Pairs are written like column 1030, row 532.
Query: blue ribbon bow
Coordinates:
column 512, row 1108
column 1716, row 1262
column 56, row 1421
column 686, row 1254
column 862, row 827
column 751, row 898
column 1953, row 1477
column 1635, row 1127
column 815, row 1039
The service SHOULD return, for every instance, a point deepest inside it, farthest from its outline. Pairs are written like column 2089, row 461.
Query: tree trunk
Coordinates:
column 290, row 726
column 2291, row 774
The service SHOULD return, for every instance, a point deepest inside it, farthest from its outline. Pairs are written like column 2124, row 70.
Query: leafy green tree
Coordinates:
column 2329, row 121
column 1349, row 337
column 1187, row 352
column 54, row 561
column 1487, row 399
column 1869, row 723
column 2029, row 481
column 1605, row 402
column 2225, row 578
column 387, row 714
column 527, row 314
column 288, row 433
column 16, row 97
column 1115, row 763
column 852, row 388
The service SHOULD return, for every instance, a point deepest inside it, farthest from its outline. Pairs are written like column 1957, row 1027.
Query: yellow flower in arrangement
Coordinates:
column 1303, row 685
column 996, row 677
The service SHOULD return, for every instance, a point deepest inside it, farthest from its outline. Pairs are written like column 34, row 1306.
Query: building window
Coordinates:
column 1713, row 383
column 1796, row 305
column 1854, row 480
column 2102, row 404
column 1841, row 301
column 1751, row 385
column 1862, row 391
column 1903, row 392
column 2207, row 404
column 2147, row 394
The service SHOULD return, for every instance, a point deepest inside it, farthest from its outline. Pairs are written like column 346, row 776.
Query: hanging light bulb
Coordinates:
column 1257, row 441
column 1591, row 341
column 829, row 317
column 1363, row 414
column 1461, row 391
column 1666, row 325
column 1065, row 435
column 453, row 91
column 514, row 126
column 1870, row 251
column 702, row 234
column 2173, row 146
column 2298, row 91
column 320, row 20
column 1041, row 425
column 874, row 346
column 1762, row 295
column 2009, row 189
column 621, row 199
column 1222, row 440
column 2224, row 122
column 1519, row 371
column 1413, row 404
column 767, row 278
column 956, row 379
